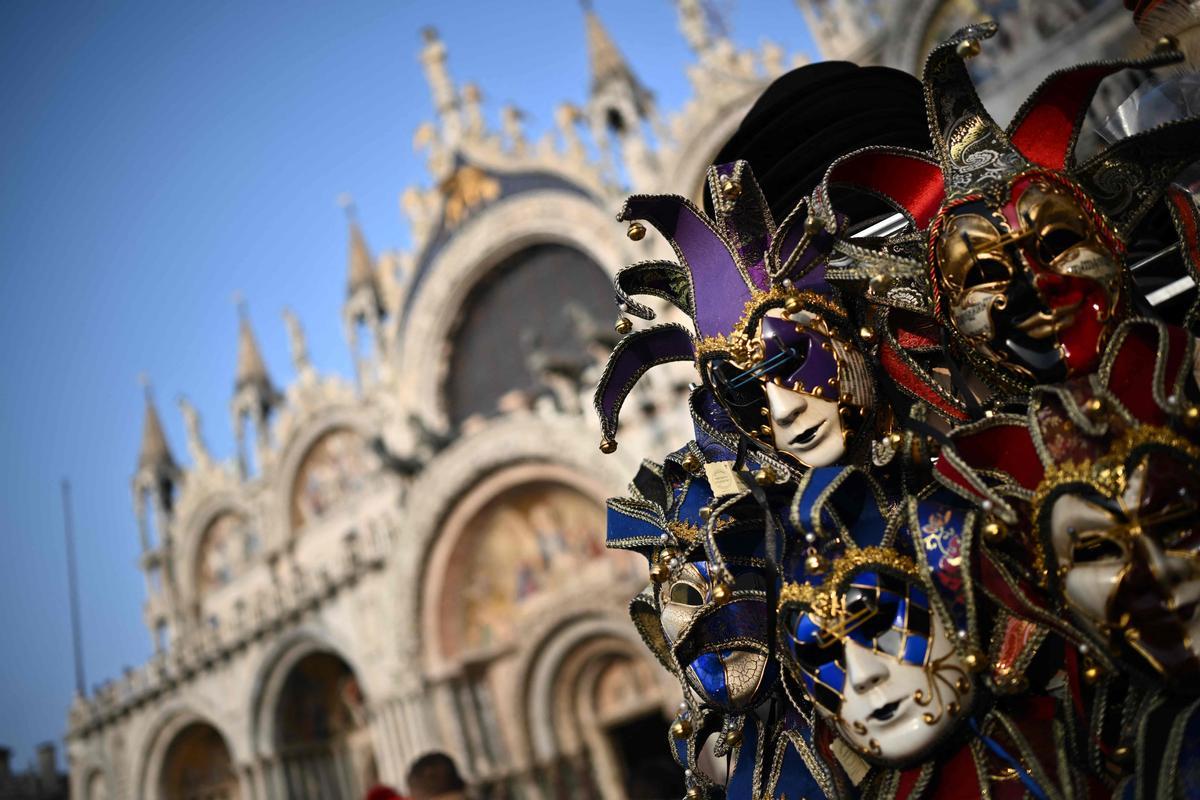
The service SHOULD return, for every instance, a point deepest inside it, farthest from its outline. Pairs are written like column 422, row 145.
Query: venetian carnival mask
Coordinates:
column 1025, row 242
column 705, row 614
column 1032, row 285
column 1105, row 472
column 876, row 660
column 721, row 647
column 796, row 385
column 1126, row 541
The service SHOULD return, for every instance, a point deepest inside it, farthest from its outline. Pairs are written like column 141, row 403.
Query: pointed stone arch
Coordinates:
column 500, row 231
column 308, row 718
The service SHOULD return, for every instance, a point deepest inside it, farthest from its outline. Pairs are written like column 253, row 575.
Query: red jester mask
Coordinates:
column 1033, row 285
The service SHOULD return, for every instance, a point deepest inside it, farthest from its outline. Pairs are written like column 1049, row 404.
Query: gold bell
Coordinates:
column 722, row 593
column 624, row 325
column 866, row 334
column 1094, row 406
column 608, row 446
column 975, row 661
column 1091, row 674
column 731, row 189
column 1192, row 415
column 880, row 283
column 681, row 728
column 895, row 439
column 815, row 563
column 812, row 225
column 764, row 476
column 967, row 48
column 694, row 793
column 733, row 737
column 705, row 513
column 792, row 305
column 659, row 572
column 1122, row 754
column 1166, row 44
column 690, row 462
column 636, row 232
column 994, row 532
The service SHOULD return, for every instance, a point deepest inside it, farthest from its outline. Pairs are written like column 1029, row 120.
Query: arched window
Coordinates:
column 336, row 467
column 198, row 766
column 544, row 299
column 227, row 548
column 321, row 730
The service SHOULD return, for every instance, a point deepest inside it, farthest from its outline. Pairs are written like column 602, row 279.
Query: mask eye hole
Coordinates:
column 968, row 244
column 1056, row 240
column 685, row 594
column 1094, row 547
column 987, row 271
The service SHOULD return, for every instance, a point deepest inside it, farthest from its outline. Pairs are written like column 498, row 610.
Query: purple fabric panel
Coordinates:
column 819, row 365
column 758, row 273
column 814, row 279
column 720, row 293
column 632, row 357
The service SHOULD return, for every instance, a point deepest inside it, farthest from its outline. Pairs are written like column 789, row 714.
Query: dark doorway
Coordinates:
column 649, row 769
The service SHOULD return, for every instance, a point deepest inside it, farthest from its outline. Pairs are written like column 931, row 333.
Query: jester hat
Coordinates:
column 985, row 173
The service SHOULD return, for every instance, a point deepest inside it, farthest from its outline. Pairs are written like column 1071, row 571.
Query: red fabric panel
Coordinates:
column 957, row 777
column 1007, row 447
column 951, row 473
column 915, row 184
column 913, row 338
column 1133, row 373
column 1044, row 135
column 900, row 372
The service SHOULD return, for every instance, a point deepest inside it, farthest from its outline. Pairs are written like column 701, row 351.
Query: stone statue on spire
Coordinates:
column 195, row 437
column 298, row 346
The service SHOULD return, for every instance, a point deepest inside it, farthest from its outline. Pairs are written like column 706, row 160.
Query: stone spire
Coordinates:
column 155, row 454
column 251, row 369
column 360, row 267
column 608, row 66
column 364, row 302
column 254, row 396
column 618, row 108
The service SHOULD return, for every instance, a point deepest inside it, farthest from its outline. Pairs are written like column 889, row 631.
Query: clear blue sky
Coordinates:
column 158, row 157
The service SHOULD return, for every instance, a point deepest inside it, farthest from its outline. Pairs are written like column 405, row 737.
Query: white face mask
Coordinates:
column 1097, row 551
column 736, row 673
column 810, row 428
column 895, row 710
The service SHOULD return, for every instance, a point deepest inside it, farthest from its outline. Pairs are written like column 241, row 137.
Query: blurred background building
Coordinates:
column 413, row 560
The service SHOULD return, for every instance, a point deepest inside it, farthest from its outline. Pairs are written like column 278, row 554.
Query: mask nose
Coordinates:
column 864, row 670
column 1167, row 569
column 784, row 402
column 1049, row 285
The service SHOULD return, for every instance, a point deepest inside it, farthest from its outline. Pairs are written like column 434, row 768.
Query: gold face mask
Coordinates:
column 1030, row 285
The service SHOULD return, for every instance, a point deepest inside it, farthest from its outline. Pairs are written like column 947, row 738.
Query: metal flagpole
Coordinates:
column 72, row 584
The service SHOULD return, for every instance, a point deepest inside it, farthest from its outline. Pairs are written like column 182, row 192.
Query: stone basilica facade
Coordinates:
column 413, row 560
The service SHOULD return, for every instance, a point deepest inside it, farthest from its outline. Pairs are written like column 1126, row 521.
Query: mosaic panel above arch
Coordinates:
column 337, row 466
column 533, row 543
column 228, row 546
column 540, row 303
